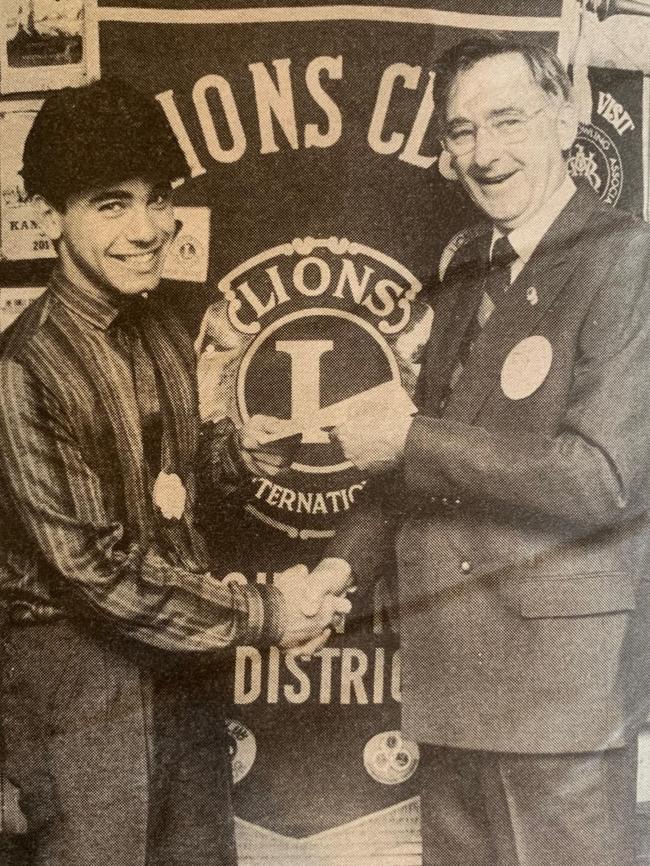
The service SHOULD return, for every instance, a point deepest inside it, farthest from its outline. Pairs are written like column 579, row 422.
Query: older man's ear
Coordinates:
column 567, row 124
column 445, row 166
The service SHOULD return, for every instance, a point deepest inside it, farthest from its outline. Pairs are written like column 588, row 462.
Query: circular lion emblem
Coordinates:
column 595, row 158
column 306, row 331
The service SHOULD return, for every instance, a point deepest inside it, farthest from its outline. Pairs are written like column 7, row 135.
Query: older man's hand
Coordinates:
column 308, row 625
column 332, row 576
column 373, row 435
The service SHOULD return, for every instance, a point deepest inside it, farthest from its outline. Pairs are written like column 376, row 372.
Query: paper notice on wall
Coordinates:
column 13, row 301
column 20, row 235
column 187, row 259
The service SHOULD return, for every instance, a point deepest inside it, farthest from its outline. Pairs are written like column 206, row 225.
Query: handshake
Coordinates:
column 314, row 603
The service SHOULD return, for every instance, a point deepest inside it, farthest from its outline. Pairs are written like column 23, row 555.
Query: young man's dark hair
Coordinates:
column 96, row 135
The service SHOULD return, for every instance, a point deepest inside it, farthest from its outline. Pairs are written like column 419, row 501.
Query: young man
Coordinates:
column 111, row 730
column 524, row 484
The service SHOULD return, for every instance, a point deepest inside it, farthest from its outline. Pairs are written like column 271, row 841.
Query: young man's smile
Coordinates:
column 142, row 263
column 116, row 238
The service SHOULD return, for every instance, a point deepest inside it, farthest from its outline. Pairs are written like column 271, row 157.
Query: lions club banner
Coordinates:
column 317, row 214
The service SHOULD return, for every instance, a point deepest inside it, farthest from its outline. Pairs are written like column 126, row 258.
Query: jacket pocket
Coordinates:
column 579, row 595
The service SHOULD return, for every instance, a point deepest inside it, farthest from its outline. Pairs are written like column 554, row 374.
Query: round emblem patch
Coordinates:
column 169, row 495
column 242, row 748
column 595, row 158
column 303, row 332
column 390, row 759
column 526, row 367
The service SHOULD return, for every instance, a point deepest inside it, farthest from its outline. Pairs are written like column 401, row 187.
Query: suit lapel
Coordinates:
column 452, row 315
column 544, row 276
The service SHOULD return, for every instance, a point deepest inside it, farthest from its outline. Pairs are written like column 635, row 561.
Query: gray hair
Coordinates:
column 545, row 67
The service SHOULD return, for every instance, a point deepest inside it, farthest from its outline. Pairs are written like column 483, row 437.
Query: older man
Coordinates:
column 111, row 727
column 523, row 481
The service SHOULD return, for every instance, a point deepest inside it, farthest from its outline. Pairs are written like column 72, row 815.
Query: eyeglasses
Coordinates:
column 507, row 129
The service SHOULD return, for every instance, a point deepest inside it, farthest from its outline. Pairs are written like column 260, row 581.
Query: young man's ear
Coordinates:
column 48, row 217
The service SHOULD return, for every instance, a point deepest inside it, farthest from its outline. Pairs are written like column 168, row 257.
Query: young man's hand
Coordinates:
column 12, row 820
column 309, row 621
column 268, row 445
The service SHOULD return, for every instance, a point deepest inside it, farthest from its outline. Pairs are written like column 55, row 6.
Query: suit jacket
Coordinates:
column 518, row 580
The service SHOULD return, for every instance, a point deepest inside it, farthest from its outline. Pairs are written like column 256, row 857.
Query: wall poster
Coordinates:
column 46, row 44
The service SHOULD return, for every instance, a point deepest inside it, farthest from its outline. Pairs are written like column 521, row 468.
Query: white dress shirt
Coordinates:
column 525, row 238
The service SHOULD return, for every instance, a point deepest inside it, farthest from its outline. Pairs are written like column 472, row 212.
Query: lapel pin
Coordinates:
column 531, row 296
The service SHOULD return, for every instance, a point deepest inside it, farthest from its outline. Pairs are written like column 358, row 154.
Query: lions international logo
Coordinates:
column 302, row 331
column 595, row 158
column 186, row 251
column 189, row 249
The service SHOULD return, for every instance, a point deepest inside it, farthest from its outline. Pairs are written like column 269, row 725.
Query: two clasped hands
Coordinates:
column 314, row 603
column 372, row 434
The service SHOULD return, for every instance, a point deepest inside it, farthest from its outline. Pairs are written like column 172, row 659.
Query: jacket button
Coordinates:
column 441, row 405
column 466, row 566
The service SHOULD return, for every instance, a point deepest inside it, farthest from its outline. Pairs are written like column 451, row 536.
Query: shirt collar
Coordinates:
column 525, row 238
column 91, row 303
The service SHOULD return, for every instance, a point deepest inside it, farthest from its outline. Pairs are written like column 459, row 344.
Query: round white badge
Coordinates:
column 169, row 495
column 390, row 758
column 526, row 367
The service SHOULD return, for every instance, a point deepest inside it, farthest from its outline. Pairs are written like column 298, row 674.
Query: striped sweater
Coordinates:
column 80, row 533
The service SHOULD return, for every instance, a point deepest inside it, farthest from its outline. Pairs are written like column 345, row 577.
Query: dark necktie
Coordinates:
column 127, row 331
column 497, row 283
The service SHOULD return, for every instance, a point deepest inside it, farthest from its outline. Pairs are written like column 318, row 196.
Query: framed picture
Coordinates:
column 47, row 44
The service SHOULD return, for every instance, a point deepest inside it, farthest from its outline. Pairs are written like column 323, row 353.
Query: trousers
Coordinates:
column 493, row 809
column 119, row 762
